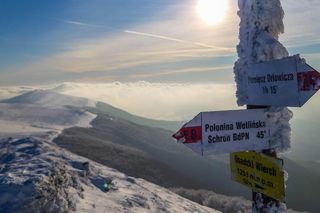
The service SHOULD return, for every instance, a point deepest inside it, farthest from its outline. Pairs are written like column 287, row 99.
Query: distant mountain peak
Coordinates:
column 40, row 111
column 50, row 98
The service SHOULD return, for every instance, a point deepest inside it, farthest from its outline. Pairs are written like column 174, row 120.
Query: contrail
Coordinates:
column 186, row 70
column 154, row 36
column 163, row 37
column 175, row 39
column 80, row 23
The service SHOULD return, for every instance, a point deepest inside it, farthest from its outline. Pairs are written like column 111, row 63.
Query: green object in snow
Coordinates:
column 106, row 187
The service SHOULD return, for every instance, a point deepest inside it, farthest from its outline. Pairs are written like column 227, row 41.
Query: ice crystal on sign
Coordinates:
column 260, row 27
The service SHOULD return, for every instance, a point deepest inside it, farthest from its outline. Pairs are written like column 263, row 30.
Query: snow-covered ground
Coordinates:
column 38, row 176
column 42, row 111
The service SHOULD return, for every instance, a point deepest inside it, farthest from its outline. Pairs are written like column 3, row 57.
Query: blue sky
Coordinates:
column 45, row 41
column 36, row 28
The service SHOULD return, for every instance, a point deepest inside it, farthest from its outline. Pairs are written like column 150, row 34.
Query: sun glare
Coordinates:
column 212, row 11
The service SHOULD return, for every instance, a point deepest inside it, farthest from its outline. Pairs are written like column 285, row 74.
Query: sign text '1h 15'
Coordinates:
column 259, row 172
column 227, row 131
column 285, row 82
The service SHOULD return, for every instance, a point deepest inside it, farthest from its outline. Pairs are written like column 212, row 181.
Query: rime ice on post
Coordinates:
column 260, row 26
column 261, row 23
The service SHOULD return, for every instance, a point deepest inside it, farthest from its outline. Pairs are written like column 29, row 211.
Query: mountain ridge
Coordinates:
column 120, row 138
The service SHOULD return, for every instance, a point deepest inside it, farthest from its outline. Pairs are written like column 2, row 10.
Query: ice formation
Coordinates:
column 260, row 27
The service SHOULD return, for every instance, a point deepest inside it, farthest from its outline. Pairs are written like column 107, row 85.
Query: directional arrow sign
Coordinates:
column 227, row 131
column 259, row 172
column 286, row 82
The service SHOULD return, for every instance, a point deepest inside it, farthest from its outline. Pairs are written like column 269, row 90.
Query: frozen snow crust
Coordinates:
column 37, row 176
column 33, row 180
column 260, row 26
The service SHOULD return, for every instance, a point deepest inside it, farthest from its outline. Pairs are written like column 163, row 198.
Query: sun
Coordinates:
column 212, row 11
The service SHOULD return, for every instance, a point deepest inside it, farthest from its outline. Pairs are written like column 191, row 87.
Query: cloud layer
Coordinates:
column 157, row 100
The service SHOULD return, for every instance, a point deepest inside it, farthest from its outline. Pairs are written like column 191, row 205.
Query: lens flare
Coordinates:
column 212, row 11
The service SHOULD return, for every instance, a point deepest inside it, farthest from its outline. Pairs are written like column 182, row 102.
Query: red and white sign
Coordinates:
column 286, row 82
column 227, row 131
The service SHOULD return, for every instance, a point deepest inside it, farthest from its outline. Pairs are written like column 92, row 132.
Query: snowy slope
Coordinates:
column 42, row 111
column 37, row 176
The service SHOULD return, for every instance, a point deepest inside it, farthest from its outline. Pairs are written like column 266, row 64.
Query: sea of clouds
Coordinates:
column 158, row 100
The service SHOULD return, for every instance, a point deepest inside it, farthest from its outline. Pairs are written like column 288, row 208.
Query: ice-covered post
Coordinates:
column 260, row 26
